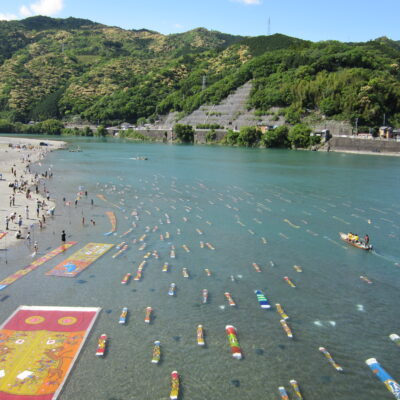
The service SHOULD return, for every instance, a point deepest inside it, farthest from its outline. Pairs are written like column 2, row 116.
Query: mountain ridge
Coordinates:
column 65, row 68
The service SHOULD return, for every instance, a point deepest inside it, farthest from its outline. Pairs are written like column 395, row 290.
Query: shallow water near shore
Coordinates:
column 274, row 208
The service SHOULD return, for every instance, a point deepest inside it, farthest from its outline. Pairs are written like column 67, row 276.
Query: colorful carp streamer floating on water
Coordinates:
column 80, row 260
column 384, row 377
column 44, row 342
column 24, row 271
column 113, row 221
column 102, row 197
column 291, row 224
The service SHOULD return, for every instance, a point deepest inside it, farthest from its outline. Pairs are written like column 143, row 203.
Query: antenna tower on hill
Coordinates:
column 269, row 26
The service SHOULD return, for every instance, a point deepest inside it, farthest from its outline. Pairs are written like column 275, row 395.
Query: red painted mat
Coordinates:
column 38, row 347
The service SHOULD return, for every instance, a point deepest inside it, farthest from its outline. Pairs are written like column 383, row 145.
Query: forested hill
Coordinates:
column 61, row 68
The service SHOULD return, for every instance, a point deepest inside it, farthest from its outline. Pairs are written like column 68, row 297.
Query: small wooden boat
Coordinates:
column 384, row 377
column 395, row 338
column 297, row 268
column 147, row 255
column 282, row 313
column 174, row 385
column 204, row 296
column 289, row 282
column 330, row 359
column 185, row 273
column 201, row 244
column 101, row 346
column 358, row 244
column 126, row 278
column 172, row 253
column 199, row 231
column 142, row 246
column 200, row 335
column 283, row 393
column 172, row 289
column 296, row 389
column 262, row 300
column 148, row 315
column 230, row 300
column 186, row 248
column 161, row 237
column 207, row 271
column 165, row 267
column 210, row 246
column 124, row 313
column 156, row 353
column 256, row 267
column 233, row 342
column 286, row 328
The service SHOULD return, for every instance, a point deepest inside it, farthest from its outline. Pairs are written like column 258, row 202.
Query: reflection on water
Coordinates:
column 230, row 208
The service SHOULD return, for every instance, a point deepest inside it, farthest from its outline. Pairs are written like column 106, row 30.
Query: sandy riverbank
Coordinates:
column 16, row 155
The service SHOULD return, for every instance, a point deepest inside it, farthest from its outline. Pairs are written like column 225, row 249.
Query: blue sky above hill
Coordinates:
column 344, row 20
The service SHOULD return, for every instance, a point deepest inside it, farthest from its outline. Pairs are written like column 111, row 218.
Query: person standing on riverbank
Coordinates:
column 63, row 237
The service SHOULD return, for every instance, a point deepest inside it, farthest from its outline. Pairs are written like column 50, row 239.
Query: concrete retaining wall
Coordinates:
column 364, row 145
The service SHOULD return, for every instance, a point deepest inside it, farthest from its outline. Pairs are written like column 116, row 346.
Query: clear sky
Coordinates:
column 344, row 20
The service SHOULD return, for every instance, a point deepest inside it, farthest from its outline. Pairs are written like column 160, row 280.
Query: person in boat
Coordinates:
column 356, row 238
column 366, row 240
column 350, row 237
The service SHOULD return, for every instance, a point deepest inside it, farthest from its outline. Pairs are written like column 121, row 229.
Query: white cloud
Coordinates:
column 42, row 7
column 7, row 17
column 25, row 11
column 178, row 26
column 249, row 2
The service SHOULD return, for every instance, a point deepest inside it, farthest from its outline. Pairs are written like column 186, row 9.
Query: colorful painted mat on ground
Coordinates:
column 37, row 263
column 80, row 260
column 2, row 234
column 113, row 221
column 38, row 347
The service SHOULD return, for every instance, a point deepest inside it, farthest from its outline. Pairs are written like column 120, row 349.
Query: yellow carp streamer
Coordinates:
column 291, row 224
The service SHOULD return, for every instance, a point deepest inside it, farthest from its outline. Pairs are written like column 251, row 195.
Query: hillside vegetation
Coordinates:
column 62, row 68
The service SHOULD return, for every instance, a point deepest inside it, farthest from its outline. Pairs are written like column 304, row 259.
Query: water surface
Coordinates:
column 296, row 201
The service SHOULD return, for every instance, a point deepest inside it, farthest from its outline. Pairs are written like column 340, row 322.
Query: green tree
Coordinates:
column 87, row 131
column 299, row 136
column 249, row 136
column 211, row 136
column 231, row 137
column 51, row 127
column 101, row 131
column 184, row 133
column 6, row 126
column 277, row 137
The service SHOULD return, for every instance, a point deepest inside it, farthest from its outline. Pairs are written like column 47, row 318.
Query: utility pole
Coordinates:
column 384, row 119
column 356, row 126
column 269, row 26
